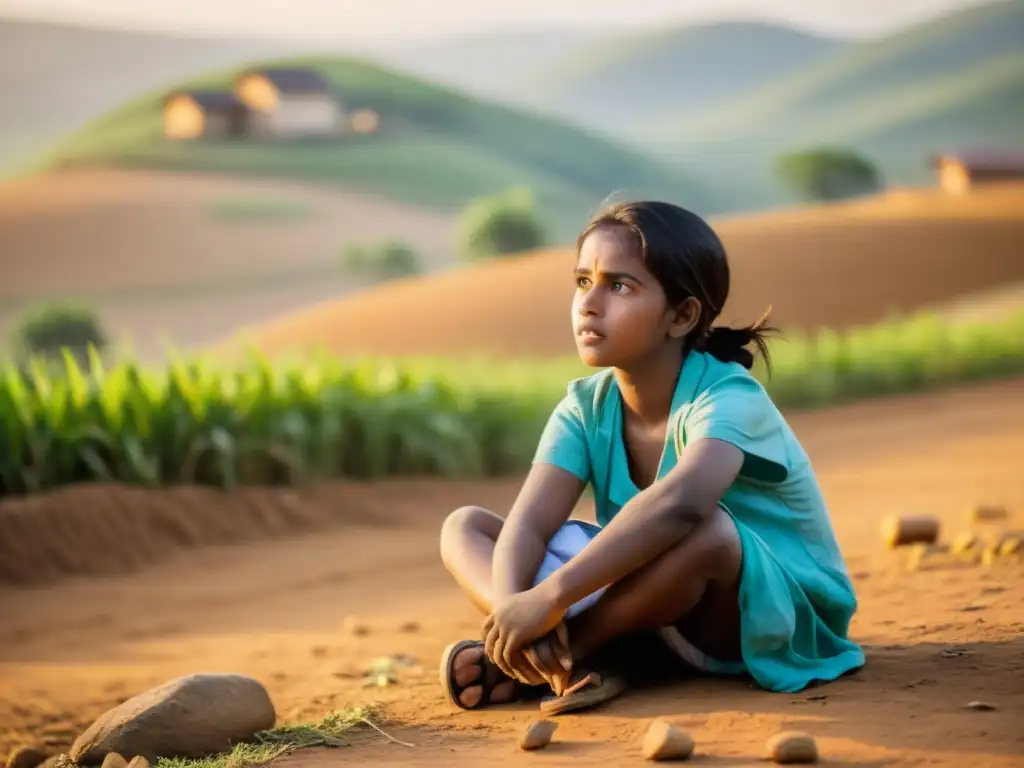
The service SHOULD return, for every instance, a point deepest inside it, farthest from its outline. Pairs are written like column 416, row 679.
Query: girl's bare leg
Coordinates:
column 697, row 578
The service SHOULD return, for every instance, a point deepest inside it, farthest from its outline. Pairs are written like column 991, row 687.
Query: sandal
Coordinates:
column 489, row 679
column 588, row 689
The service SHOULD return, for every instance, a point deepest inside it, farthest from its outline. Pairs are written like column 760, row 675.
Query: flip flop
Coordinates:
column 588, row 690
column 490, row 678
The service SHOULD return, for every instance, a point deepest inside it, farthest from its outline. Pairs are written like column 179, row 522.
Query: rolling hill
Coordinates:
column 948, row 84
column 54, row 77
column 621, row 85
column 437, row 147
column 830, row 266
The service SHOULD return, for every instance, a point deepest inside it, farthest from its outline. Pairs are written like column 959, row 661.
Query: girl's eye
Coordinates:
column 618, row 286
column 582, row 282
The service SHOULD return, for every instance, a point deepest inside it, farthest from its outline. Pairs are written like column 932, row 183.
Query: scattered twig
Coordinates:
column 387, row 736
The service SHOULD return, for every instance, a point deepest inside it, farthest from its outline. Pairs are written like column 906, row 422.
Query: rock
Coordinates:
column 792, row 747
column 900, row 530
column 352, row 625
column 538, row 735
column 986, row 513
column 409, row 627
column 666, row 742
column 114, row 760
column 25, row 757
column 138, row 762
column 190, row 716
column 981, row 706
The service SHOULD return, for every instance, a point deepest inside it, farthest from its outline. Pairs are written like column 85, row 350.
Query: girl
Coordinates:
column 711, row 529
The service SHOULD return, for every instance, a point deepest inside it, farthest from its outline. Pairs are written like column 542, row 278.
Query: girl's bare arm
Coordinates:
column 656, row 519
column 546, row 500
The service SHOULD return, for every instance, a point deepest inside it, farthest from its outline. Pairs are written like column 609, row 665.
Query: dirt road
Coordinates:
column 285, row 610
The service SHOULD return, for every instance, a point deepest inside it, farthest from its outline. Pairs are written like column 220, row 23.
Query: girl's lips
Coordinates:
column 589, row 337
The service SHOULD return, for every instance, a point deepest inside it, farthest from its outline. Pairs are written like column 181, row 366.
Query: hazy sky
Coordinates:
column 349, row 20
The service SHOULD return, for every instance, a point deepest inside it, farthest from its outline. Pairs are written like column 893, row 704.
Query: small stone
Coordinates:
column 664, row 741
column 790, row 747
column 538, row 735
column 981, row 706
column 986, row 513
column 190, row 716
column 25, row 757
column 409, row 627
column 353, row 626
column 114, row 760
column 138, row 762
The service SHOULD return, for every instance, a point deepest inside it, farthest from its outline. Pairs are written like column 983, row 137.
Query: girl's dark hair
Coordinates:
column 688, row 259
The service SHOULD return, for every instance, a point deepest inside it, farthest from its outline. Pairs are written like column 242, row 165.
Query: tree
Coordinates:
column 45, row 331
column 500, row 224
column 828, row 173
column 384, row 260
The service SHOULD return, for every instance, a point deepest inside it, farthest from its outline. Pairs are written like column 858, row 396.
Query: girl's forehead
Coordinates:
column 610, row 249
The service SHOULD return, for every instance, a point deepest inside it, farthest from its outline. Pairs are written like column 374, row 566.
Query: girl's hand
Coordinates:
column 551, row 658
column 512, row 624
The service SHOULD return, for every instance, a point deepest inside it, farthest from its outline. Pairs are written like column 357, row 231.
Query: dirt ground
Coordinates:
column 284, row 609
column 157, row 256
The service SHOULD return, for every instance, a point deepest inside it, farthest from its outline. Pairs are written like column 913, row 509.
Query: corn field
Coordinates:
column 262, row 423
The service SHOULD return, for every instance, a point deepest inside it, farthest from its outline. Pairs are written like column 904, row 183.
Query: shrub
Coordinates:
column 498, row 225
column 385, row 260
column 45, row 331
column 324, row 418
column 828, row 173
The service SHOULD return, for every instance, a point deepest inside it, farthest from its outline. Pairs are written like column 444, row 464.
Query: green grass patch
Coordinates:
column 260, row 210
column 267, row 746
column 301, row 420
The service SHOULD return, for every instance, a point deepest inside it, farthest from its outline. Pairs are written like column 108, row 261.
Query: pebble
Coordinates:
column 666, row 742
column 114, row 760
column 25, row 757
column 981, row 706
column 138, row 762
column 538, row 735
column 792, row 747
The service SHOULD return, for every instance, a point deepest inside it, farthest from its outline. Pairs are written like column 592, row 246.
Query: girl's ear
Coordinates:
column 685, row 318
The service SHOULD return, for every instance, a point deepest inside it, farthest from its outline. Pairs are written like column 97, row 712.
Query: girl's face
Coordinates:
column 620, row 314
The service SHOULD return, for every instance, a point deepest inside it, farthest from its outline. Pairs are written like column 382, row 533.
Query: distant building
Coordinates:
column 959, row 173
column 289, row 102
column 201, row 114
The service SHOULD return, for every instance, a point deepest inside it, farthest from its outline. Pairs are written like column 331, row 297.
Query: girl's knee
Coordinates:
column 716, row 543
column 465, row 522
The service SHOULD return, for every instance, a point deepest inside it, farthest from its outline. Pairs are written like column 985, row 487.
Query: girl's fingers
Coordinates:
column 490, row 640
column 561, row 645
column 499, row 656
column 488, row 623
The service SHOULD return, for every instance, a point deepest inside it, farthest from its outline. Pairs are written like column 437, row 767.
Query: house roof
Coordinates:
column 985, row 159
column 210, row 99
column 294, row 79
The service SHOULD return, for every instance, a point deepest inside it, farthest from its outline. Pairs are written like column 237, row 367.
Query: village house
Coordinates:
column 959, row 173
column 286, row 102
column 197, row 114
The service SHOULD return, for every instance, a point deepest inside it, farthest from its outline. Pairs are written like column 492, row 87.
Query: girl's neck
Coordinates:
column 648, row 388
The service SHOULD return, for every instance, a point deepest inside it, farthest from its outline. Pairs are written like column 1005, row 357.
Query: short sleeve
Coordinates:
column 737, row 410
column 564, row 440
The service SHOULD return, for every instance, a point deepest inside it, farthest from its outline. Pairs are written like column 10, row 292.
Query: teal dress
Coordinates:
column 796, row 599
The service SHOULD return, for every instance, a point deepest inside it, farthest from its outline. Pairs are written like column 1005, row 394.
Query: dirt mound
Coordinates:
column 829, row 266
column 190, row 256
column 111, row 529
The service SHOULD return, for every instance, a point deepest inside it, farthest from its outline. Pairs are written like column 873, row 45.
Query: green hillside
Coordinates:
column 437, row 147
column 865, row 79
column 623, row 84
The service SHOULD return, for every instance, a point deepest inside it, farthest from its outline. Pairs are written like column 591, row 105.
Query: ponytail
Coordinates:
column 730, row 344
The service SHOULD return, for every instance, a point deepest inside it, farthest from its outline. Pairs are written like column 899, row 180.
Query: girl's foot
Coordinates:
column 471, row 681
